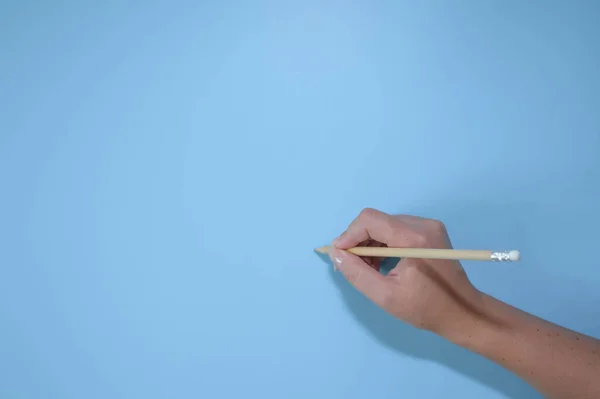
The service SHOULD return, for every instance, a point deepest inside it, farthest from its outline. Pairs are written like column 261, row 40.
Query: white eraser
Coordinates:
column 514, row 255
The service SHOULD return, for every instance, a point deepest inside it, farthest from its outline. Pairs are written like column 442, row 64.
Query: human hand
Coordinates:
column 435, row 295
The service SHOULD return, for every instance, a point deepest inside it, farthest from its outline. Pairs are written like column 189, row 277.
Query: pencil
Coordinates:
column 430, row 253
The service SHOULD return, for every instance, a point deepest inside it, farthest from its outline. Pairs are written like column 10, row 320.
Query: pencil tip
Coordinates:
column 322, row 250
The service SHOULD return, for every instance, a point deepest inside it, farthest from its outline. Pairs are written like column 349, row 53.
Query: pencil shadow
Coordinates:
column 409, row 341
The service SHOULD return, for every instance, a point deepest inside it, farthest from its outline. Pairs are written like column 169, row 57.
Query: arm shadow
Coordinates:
column 405, row 339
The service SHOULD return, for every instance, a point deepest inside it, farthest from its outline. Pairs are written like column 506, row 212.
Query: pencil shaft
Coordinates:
column 423, row 253
column 431, row 253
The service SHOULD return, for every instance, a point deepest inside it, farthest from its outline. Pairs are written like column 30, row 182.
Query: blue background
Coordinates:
column 166, row 169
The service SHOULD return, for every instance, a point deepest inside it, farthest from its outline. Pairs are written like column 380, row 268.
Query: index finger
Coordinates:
column 370, row 224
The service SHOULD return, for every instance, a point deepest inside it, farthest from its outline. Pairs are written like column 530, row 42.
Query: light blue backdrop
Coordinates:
column 149, row 151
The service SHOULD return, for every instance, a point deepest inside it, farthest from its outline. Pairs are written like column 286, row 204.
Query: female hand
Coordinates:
column 435, row 295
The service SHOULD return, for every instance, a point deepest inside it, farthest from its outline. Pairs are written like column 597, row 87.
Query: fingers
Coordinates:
column 362, row 276
column 374, row 262
column 370, row 224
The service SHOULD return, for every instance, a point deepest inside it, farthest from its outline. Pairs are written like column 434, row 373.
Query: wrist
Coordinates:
column 477, row 325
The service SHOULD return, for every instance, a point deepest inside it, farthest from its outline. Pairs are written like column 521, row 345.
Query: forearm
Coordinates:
column 558, row 362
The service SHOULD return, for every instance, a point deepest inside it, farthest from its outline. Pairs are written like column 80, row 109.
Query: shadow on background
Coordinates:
column 472, row 222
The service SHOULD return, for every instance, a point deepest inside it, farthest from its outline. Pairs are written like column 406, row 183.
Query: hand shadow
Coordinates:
column 413, row 342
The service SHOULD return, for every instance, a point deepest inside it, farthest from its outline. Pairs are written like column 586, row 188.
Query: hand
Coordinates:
column 435, row 295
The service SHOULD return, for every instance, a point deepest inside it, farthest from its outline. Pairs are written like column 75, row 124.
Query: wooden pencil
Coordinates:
column 430, row 253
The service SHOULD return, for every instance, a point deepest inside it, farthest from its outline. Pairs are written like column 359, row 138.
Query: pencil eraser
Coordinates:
column 514, row 255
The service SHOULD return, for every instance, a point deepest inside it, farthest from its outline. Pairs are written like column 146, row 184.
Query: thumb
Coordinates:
column 362, row 276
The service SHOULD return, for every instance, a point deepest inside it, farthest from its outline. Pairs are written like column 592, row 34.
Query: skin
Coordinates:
column 436, row 295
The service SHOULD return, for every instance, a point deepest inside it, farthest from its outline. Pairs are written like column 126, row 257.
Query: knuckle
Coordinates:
column 411, row 271
column 437, row 226
column 414, row 273
column 354, row 277
column 368, row 213
column 419, row 240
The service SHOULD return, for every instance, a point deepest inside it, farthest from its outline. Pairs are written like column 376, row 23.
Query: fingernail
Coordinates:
column 335, row 242
column 336, row 259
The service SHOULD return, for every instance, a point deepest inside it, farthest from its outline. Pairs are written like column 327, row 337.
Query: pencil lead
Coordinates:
column 322, row 250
